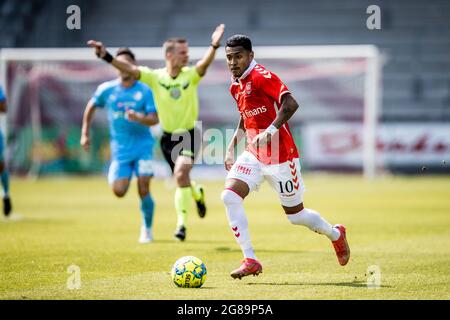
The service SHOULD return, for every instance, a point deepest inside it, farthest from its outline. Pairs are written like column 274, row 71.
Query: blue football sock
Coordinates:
column 147, row 208
column 4, row 177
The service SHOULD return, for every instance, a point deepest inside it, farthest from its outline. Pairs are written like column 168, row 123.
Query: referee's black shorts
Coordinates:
column 187, row 144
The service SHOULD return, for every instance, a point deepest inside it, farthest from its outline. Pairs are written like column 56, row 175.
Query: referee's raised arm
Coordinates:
column 102, row 53
column 203, row 64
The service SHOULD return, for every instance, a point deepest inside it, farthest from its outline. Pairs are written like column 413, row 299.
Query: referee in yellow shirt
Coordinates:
column 175, row 92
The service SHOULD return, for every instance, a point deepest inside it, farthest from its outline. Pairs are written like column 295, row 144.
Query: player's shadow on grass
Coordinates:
column 354, row 284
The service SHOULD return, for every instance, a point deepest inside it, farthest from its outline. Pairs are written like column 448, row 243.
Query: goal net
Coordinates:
column 337, row 87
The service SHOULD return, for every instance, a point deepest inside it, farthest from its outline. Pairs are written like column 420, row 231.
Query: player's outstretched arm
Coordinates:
column 288, row 108
column 102, row 53
column 203, row 64
column 145, row 119
column 87, row 119
column 237, row 137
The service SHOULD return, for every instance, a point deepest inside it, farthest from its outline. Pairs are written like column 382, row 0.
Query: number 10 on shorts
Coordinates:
column 286, row 187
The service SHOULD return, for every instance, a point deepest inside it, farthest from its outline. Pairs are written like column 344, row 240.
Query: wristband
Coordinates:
column 271, row 129
column 215, row 47
column 108, row 57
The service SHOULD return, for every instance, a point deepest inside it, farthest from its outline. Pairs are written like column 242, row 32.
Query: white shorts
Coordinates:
column 285, row 178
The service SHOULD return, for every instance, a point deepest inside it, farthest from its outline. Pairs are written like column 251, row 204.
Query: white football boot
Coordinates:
column 146, row 235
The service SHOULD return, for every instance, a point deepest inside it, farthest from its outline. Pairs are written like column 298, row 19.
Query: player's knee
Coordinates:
column 181, row 176
column 229, row 197
column 119, row 191
column 143, row 191
column 293, row 210
column 119, row 194
column 178, row 174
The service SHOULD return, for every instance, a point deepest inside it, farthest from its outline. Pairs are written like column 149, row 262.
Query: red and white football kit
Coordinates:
column 258, row 93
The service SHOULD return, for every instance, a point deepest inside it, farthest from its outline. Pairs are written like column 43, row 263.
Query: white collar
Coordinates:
column 246, row 72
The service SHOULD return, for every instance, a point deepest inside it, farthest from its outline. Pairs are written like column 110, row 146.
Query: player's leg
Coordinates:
column 4, row 178
column 299, row 215
column 183, row 194
column 185, row 151
column 198, row 193
column 188, row 147
column 167, row 145
column 144, row 173
column 312, row 219
column 147, row 209
column 233, row 197
column 119, row 176
column 286, row 179
column 191, row 148
column 171, row 147
column 243, row 177
column 120, row 187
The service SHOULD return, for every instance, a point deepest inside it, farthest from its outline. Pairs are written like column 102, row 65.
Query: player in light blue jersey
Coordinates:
column 131, row 110
column 4, row 176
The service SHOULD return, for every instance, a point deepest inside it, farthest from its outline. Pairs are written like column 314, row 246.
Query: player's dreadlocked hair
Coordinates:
column 126, row 51
column 240, row 40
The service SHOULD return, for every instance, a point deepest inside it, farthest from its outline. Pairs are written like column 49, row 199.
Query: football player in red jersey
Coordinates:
column 265, row 105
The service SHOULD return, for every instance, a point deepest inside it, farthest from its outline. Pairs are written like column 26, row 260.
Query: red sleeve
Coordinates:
column 232, row 92
column 273, row 87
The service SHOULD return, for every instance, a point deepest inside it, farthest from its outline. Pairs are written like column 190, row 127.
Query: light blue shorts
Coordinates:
column 142, row 166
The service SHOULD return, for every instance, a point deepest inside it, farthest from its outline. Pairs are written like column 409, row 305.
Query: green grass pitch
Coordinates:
column 400, row 224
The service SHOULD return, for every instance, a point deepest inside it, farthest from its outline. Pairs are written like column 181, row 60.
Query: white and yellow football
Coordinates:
column 189, row 272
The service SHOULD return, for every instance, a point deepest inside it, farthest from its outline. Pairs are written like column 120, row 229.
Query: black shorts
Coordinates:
column 187, row 144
